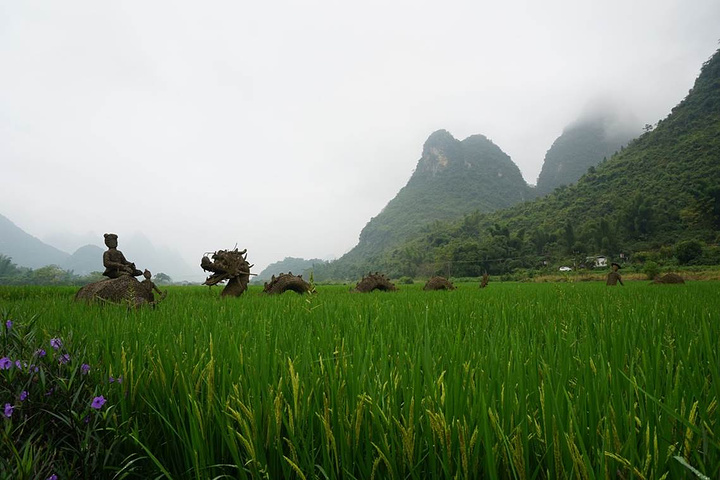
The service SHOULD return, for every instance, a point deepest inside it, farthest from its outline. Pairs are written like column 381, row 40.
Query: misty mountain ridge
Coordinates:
column 71, row 242
column 29, row 251
column 25, row 249
column 584, row 144
column 84, row 260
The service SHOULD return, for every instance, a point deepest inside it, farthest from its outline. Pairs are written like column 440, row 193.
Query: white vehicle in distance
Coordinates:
column 565, row 269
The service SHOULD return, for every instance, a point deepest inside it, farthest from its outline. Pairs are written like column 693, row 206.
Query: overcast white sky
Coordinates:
column 284, row 126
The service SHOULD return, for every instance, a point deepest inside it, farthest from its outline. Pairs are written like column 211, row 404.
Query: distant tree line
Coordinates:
column 466, row 252
column 11, row 274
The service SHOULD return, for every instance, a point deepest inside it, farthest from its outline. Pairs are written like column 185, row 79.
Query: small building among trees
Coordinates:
column 598, row 261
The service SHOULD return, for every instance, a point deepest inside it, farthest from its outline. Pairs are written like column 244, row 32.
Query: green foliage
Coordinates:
column 515, row 380
column 651, row 270
column 10, row 274
column 7, row 268
column 54, row 416
column 163, row 279
column 688, row 251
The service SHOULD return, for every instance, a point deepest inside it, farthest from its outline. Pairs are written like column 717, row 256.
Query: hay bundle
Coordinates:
column 669, row 279
column 439, row 283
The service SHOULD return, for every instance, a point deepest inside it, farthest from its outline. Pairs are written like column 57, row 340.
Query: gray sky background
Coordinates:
column 284, row 126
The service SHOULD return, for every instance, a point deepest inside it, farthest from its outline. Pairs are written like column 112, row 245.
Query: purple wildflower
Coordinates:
column 52, row 477
column 64, row 358
column 18, row 364
column 119, row 379
column 23, row 395
column 8, row 410
column 40, row 352
column 98, row 402
column 85, row 368
column 9, row 324
column 56, row 343
column 5, row 363
column 112, row 379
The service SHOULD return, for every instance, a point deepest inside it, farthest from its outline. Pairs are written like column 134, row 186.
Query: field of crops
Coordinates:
column 513, row 381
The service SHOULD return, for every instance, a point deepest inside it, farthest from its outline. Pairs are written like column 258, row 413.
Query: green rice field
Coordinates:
column 513, row 381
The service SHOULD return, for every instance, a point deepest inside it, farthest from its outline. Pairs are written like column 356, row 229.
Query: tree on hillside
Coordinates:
column 569, row 236
column 688, row 251
column 7, row 268
column 705, row 210
column 637, row 217
column 540, row 238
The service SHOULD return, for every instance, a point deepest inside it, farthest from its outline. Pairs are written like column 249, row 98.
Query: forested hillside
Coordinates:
column 662, row 192
column 452, row 178
column 582, row 145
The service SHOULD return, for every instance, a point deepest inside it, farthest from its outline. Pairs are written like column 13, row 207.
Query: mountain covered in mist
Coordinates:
column 662, row 190
column 140, row 250
column 452, row 178
column 69, row 241
column 84, row 260
column 25, row 249
column 582, row 145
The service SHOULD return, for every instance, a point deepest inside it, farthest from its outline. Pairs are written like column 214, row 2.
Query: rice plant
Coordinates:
column 512, row 381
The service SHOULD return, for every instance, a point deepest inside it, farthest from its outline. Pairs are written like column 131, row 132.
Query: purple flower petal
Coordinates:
column 85, row 368
column 64, row 358
column 8, row 410
column 55, row 343
column 9, row 324
column 40, row 352
column 98, row 402
column 18, row 364
column 23, row 395
column 52, row 477
column 5, row 363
